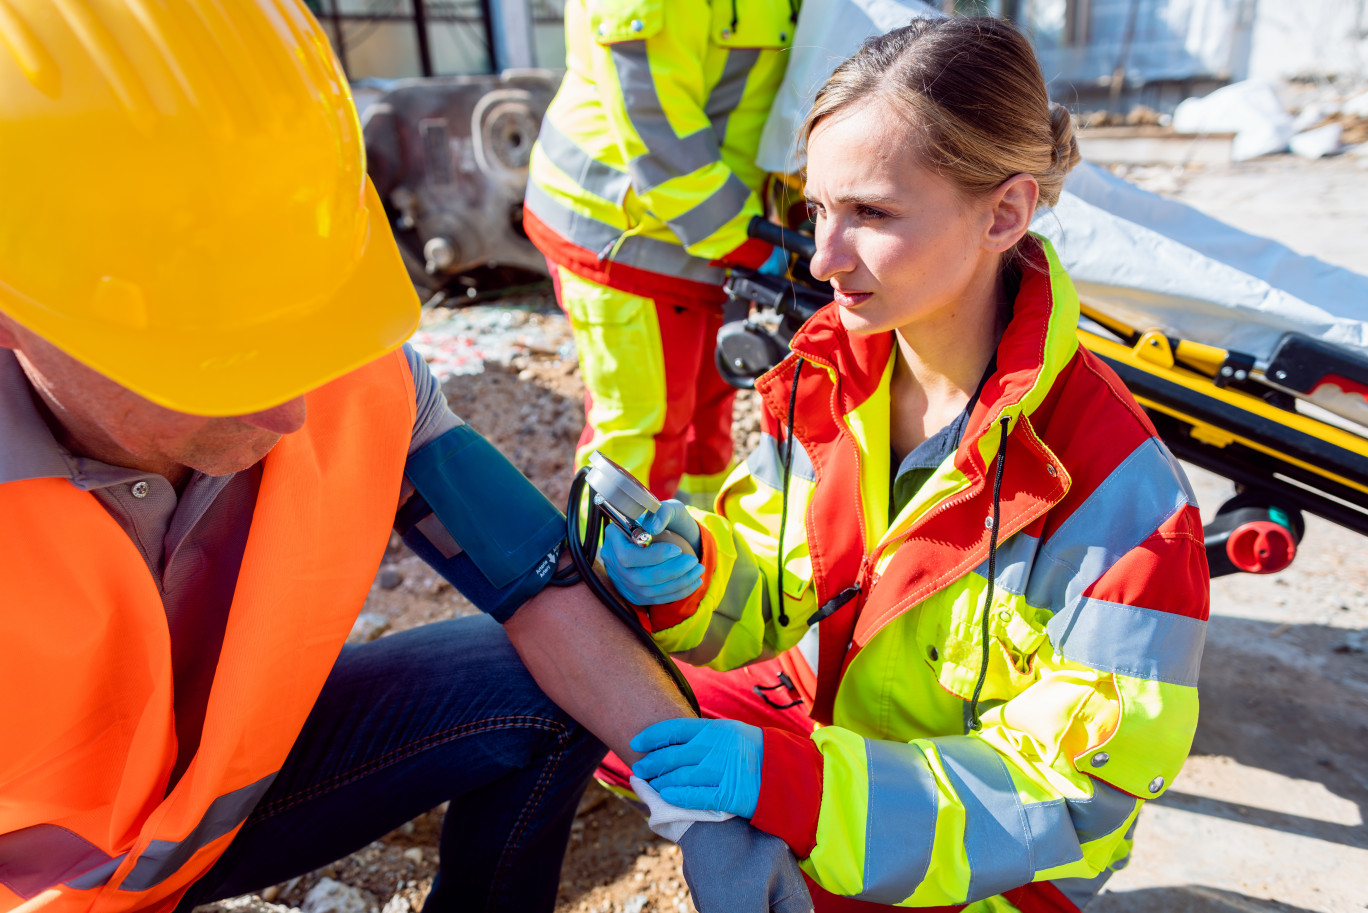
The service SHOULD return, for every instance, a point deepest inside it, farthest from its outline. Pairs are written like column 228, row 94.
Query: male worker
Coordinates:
column 642, row 183
column 207, row 430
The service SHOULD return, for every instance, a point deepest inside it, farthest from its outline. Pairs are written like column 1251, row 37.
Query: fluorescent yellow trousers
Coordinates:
column 654, row 401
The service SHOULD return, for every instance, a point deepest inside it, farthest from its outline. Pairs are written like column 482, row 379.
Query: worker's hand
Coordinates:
column 703, row 764
column 734, row 867
column 661, row 572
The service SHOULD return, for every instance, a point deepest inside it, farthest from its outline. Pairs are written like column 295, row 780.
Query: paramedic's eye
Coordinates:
column 813, row 211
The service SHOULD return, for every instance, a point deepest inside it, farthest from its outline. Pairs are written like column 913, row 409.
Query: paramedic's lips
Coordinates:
column 851, row 299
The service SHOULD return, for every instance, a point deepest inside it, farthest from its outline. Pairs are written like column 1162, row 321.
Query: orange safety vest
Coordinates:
column 87, row 736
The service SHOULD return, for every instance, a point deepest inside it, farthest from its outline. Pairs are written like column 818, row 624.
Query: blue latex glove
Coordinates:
column 661, row 572
column 703, row 764
column 777, row 264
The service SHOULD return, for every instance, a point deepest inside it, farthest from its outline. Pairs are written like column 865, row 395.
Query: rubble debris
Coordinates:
column 329, row 896
column 463, row 341
column 368, row 627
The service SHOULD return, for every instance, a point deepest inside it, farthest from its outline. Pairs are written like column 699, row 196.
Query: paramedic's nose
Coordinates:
column 834, row 254
column 286, row 418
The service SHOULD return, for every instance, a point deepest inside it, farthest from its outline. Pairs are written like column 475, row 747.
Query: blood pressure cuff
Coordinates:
column 479, row 522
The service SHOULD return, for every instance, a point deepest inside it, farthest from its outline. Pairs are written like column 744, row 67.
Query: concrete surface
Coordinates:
column 1269, row 813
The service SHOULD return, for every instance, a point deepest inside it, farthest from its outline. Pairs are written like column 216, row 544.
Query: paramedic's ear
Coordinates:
column 1012, row 204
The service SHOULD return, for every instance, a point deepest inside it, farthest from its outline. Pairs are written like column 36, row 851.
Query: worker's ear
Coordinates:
column 8, row 339
column 1012, row 204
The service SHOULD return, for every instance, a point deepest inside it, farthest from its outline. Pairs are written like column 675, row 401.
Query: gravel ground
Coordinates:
column 1267, row 816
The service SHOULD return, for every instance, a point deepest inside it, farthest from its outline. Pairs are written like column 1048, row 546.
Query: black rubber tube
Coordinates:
column 582, row 552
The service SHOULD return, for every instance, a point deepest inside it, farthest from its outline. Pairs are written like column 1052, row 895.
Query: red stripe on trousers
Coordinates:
column 696, row 436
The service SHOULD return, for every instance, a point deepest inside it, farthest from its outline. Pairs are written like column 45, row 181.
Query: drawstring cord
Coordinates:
column 974, row 722
column 783, row 503
column 783, row 682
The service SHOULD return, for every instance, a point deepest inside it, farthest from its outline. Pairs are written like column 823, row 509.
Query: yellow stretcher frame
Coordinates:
column 1247, row 432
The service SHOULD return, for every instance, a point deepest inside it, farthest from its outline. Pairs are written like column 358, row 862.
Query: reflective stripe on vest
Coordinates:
column 84, row 815
column 653, row 132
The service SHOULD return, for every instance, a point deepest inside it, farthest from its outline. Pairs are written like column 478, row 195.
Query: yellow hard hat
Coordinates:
column 185, row 201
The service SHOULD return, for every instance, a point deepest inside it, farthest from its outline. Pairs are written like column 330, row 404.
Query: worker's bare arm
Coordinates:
column 591, row 665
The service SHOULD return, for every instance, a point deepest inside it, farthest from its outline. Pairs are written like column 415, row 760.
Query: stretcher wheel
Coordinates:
column 1253, row 534
column 1261, row 547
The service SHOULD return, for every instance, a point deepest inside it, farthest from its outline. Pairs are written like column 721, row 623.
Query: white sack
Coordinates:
column 1153, row 262
column 1317, row 143
column 1251, row 110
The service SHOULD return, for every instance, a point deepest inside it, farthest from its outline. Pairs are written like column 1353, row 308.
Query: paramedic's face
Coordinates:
column 900, row 244
column 105, row 420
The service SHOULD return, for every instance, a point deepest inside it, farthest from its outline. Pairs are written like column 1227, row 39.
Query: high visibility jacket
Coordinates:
column 1095, row 628
column 86, row 822
column 644, row 170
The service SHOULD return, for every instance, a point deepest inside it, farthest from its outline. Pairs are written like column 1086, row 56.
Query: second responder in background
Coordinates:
column 642, row 182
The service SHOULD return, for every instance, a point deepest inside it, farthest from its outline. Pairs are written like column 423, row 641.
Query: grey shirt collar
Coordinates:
column 28, row 449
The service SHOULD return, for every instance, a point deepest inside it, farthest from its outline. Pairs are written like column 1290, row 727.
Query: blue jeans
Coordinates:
column 442, row 712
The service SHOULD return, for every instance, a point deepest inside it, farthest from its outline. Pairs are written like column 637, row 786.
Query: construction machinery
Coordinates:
column 448, row 156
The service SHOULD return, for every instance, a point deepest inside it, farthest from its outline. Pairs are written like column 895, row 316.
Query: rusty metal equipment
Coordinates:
column 449, row 157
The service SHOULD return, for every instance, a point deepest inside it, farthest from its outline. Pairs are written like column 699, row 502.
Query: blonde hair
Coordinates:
column 973, row 90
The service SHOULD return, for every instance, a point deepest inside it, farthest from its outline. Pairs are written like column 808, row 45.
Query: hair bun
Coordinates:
column 1065, row 154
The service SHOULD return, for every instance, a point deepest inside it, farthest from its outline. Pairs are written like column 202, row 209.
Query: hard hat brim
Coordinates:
column 251, row 369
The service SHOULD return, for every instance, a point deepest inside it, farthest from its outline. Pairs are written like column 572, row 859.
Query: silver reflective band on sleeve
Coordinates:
column 706, row 650
column 603, row 181
column 766, row 465
column 901, row 821
column 163, row 858
column 1053, row 841
column 1134, row 501
column 731, row 86
column 667, row 155
column 671, row 157
column 1080, row 891
column 1101, row 814
column 1127, row 640
column 730, row 608
column 703, row 221
column 996, row 839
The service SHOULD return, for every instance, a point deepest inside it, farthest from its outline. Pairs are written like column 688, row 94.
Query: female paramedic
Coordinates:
column 964, row 579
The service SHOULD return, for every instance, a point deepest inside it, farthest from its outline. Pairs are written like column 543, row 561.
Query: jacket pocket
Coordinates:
column 950, row 632
column 620, row 353
column 751, row 24
column 613, row 21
